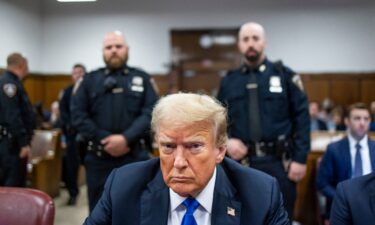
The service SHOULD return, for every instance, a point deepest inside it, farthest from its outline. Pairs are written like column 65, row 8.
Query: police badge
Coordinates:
column 275, row 84
column 10, row 90
column 137, row 84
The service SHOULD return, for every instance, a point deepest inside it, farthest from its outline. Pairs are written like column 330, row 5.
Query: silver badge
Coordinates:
column 275, row 84
column 137, row 84
column 10, row 90
column 262, row 68
column 138, row 81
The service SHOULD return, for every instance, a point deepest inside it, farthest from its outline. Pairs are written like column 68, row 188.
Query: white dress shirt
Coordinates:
column 365, row 153
column 202, row 214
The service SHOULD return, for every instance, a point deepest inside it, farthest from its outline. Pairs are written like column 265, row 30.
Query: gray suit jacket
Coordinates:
column 354, row 203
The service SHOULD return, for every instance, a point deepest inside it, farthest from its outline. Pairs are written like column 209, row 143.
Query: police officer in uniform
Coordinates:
column 17, row 122
column 268, row 114
column 71, row 156
column 112, row 110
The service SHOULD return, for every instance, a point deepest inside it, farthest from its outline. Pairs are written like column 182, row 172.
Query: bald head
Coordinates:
column 115, row 50
column 17, row 64
column 251, row 26
column 252, row 42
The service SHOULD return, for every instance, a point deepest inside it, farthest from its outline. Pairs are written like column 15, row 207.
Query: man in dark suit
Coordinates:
column 316, row 124
column 192, row 182
column 354, row 203
column 350, row 157
column 71, row 156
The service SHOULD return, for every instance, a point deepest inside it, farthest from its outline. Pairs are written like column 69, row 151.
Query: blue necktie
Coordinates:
column 191, row 205
column 357, row 162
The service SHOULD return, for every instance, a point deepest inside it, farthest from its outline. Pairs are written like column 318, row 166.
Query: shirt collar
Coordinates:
column 124, row 70
column 13, row 75
column 259, row 68
column 205, row 197
column 353, row 141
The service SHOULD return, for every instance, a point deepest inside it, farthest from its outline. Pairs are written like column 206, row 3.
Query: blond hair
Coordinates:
column 186, row 109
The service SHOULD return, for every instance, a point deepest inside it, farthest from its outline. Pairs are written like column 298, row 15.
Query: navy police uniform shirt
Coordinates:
column 16, row 112
column 114, row 102
column 283, row 105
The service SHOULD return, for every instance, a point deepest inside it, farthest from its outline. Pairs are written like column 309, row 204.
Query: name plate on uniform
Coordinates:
column 137, row 88
column 117, row 90
column 251, row 86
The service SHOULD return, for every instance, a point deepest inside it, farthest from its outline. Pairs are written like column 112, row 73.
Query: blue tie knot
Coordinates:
column 358, row 146
column 191, row 205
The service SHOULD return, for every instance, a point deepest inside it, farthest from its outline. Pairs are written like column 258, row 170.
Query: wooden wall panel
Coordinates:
column 316, row 87
column 45, row 89
column 345, row 91
column 34, row 86
column 53, row 87
column 207, row 83
column 342, row 88
column 367, row 91
column 163, row 84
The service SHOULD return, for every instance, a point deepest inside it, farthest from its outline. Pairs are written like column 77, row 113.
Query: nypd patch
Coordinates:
column 10, row 90
column 296, row 79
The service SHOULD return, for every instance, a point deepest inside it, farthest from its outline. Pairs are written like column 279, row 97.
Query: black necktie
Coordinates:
column 254, row 116
column 357, row 171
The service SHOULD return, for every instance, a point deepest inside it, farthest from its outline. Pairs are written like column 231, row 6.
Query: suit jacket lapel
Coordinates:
column 155, row 202
column 372, row 203
column 346, row 158
column 226, row 210
column 371, row 147
column 371, row 191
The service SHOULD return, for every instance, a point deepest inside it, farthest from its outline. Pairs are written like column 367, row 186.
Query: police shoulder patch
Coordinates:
column 296, row 79
column 10, row 89
column 154, row 85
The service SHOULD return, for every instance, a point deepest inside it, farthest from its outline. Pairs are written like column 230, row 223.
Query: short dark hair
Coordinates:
column 15, row 59
column 79, row 65
column 358, row 105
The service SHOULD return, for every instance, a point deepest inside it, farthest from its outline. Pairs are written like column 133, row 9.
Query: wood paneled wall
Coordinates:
column 45, row 89
column 342, row 88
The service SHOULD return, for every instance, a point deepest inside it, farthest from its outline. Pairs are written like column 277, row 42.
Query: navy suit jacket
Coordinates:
column 354, row 203
column 336, row 166
column 136, row 194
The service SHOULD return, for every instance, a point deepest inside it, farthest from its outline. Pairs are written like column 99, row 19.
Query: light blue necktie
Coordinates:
column 357, row 171
column 191, row 205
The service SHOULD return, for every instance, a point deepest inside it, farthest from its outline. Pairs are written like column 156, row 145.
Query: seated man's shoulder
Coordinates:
column 359, row 183
column 336, row 144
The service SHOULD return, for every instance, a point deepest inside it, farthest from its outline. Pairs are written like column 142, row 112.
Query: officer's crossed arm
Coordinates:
column 115, row 144
column 236, row 149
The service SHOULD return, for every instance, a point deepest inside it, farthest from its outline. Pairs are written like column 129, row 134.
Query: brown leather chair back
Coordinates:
column 20, row 206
